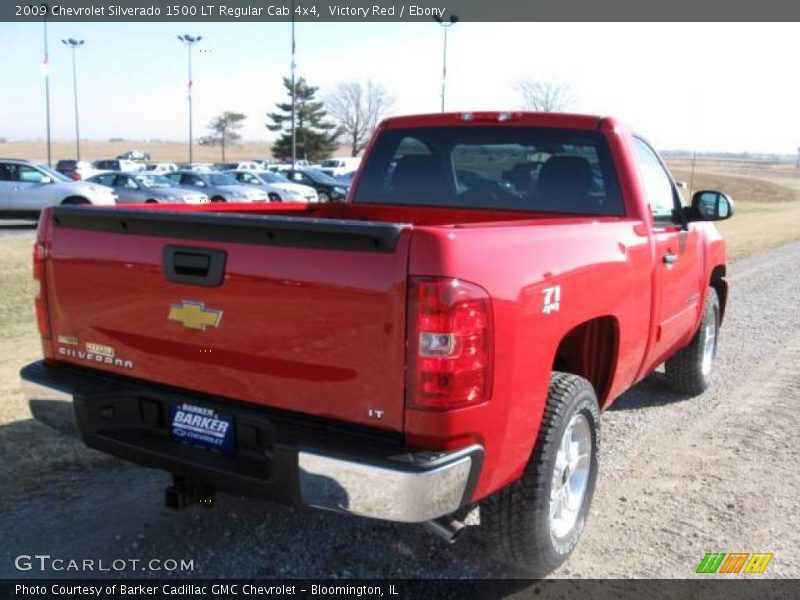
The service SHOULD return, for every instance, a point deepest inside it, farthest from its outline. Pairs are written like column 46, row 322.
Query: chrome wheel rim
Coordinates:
column 709, row 348
column 570, row 476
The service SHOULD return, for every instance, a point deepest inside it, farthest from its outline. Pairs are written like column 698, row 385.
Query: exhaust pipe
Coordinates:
column 447, row 528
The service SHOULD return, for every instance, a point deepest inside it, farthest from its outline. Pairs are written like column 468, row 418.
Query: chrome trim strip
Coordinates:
column 416, row 490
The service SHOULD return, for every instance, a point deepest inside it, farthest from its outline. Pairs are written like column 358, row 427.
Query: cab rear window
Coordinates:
column 505, row 168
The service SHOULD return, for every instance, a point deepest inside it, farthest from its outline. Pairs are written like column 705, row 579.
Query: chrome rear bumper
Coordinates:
column 409, row 487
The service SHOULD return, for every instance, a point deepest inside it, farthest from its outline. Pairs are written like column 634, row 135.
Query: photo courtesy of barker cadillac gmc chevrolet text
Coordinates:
column 444, row 338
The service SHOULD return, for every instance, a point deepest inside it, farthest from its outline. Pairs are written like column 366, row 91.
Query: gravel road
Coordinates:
column 679, row 477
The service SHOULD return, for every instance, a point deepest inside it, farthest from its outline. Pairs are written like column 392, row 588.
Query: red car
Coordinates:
column 447, row 337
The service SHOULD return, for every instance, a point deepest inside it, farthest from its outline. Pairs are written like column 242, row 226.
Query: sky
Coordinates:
column 703, row 86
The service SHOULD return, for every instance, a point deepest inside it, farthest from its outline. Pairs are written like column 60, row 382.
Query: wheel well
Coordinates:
column 75, row 200
column 720, row 284
column 590, row 350
column 218, row 199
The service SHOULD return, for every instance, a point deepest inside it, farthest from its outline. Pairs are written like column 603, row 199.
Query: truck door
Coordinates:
column 677, row 260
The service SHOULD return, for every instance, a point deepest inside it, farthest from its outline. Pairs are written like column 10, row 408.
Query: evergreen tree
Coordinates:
column 316, row 138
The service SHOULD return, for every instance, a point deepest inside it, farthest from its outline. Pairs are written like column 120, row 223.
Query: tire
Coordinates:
column 218, row 199
column 151, row 201
column 75, row 201
column 689, row 370
column 273, row 197
column 324, row 197
column 517, row 521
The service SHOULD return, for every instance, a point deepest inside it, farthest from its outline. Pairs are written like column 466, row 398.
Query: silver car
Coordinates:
column 144, row 187
column 220, row 187
column 26, row 188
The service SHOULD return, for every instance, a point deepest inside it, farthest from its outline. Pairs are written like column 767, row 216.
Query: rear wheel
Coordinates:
column 273, row 197
column 689, row 370
column 218, row 199
column 536, row 522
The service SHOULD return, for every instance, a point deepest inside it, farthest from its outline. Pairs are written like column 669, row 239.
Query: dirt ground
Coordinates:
column 679, row 477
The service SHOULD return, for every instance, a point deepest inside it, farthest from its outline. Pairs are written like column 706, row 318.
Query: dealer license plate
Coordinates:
column 201, row 426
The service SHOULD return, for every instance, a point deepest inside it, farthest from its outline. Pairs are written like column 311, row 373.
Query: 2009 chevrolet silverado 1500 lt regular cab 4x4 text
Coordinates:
column 445, row 338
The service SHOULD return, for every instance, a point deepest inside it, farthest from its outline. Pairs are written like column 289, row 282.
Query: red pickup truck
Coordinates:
column 444, row 338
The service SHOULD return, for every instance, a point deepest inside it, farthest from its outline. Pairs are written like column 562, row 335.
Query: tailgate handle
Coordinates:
column 194, row 266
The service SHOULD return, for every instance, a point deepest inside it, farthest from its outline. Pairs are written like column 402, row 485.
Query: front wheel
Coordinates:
column 323, row 197
column 689, row 370
column 536, row 522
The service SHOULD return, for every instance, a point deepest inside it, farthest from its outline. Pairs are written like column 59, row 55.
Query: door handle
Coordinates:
column 670, row 258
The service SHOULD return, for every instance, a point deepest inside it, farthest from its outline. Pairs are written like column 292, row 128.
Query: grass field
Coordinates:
column 159, row 151
column 766, row 197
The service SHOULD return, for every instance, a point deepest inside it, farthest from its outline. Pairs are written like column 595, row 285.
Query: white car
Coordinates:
column 26, row 188
column 278, row 188
column 161, row 167
column 340, row 166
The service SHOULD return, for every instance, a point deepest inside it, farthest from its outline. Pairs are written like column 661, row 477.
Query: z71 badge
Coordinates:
column 552, row 299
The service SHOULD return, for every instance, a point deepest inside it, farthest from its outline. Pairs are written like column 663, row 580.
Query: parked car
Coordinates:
column 220, row 187
column 428, row 346
column 237, row 166
column 144, row 188
column 76, row 170
column 162, row 167
column 196, row 167
column 26, row 188
column 328, row 189
column 278, row 188
column 346, row 179
column 118, row 165
column 339, row 166
column 135, row 155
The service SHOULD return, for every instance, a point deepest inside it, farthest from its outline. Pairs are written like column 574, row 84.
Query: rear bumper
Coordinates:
column 279, row 456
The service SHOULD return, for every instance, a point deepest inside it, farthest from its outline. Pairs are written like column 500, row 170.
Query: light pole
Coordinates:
column 190, row 40
column 294, row 93
column 445, row 26
column 73, row 45
column 46, row 73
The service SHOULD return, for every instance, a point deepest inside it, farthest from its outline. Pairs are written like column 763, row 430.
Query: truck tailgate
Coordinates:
column 307, row 315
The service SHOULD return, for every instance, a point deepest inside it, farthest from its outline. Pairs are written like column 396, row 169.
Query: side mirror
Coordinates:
column 710, row 205
column 46, row 179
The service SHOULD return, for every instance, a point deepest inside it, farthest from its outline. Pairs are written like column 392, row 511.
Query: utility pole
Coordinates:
column 46, row 73
column 445, row 26
column 294, row 94
column 190, row 40
column 73, row 45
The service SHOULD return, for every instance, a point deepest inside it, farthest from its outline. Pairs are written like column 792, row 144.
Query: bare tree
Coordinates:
column 225, row 130
column 357, row 110
column 544, row 96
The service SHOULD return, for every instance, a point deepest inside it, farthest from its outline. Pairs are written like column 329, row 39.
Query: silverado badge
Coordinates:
column 194, row 315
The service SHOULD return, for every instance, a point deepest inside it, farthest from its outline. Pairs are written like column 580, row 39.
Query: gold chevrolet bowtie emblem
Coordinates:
column 194, row 315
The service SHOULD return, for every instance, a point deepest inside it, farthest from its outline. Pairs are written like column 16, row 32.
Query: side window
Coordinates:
column 8, row 172
column 30, row 175
column 657, row 183
column 105, row 180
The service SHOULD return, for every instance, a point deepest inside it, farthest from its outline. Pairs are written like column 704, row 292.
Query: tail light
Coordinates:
column 450, row 347
column 40, row 255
